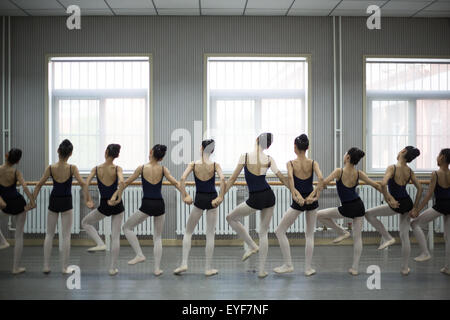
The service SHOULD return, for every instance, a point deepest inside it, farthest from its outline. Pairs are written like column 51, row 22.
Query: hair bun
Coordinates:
column 302, row 142
column 159, row 151
column 446, row 153
column 113, row 150
column 14, row 155
column 411, row 153
column 208, row 145
column 65, row 148
column 355, row 154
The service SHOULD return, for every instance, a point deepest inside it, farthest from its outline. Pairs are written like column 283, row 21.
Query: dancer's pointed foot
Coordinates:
column 342, row 237
column 446, row 271
column 406, row 271
column 18, row 270
column 309, row 272
column 422, row 257
column 386, row 244
column 180, row 270
column 113, row 272
column 97, row 248
column 353, row 272
column 211, row 272
column 158, row 272
column 249, row 253
column 136, row 260
column 283, row 269
column 66, row 271
column 4, row 245
column 262, row 275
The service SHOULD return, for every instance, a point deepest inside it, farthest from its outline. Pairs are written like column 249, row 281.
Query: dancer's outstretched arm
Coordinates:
column 23, row 183
column 314, row 196
column 187, row 198
column 236, row 173
column 219, row 199
column 387, row 196
column 84, row 187
column 274, row 168
column 416, row 210
column 41, row 182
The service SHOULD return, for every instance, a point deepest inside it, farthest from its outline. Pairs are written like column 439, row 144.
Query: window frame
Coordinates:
column 410, row 97
column 88, row 95
column 307, row 93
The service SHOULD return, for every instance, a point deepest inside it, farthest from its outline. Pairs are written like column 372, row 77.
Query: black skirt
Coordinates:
column 305, row 207
column 60, row 204
column 14, row 206
column 442, row 206
column 405, row 205
column 261, row 199
column 352, row 209
column 153, row 207
column 203, row 200
column 108, row 210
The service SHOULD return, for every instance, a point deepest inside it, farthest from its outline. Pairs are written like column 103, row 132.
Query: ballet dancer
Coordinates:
column 61, row 202
column 347, row 179
column 13, row 203
column 152, row 175
column 304, row 199
column 261, row 197
column 206, row 198
column 440, row 186
column 109, row 177
column 398, row 201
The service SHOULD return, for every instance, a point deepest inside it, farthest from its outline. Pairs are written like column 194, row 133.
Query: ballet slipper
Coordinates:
column 136, row 260
column 406, row 271
column 97, row 248
column 386, row 244
column 180, row 270
column 283, row 269
column 18, row 270
column 46, row 270
column 4, row 246
column 310, row 272
column 66, row 271
column 113, row 272
column 343, row 237
column 158, row 272
column 262, row 275
column 353, row 272
column 446, row 271
column 211, row 272
column 249, row 253
column 422, row 258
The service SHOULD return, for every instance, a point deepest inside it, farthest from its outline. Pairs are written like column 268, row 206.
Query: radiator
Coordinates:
column 36, row 221
column 222, row 226
column 132, row 199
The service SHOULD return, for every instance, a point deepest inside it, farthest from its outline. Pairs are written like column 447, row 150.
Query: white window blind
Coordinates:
column 408, row 103
column 95, row 101
column 250, row 95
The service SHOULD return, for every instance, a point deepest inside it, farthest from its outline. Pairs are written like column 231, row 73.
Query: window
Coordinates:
column 95, row 101
column 408, row 103
column 250, row 95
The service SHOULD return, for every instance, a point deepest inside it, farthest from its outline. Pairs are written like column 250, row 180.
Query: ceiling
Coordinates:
column 389, row 8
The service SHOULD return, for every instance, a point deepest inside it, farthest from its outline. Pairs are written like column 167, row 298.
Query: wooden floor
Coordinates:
column 236, row 280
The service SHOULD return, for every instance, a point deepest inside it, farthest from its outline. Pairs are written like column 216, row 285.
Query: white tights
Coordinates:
column 326, row 217
column 288, row 219
column 244, row 210
column 18, row 244
column 66, row 222
column 137, row 218
column 116, row 221
column 429, row 215
column 194, row 217
column 385, row 210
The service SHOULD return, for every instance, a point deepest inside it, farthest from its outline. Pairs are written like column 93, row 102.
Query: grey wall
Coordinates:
column 178, row 44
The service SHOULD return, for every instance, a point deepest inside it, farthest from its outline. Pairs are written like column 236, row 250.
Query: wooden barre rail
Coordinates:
column 192, row 183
